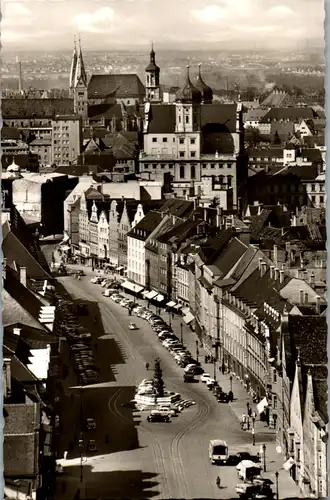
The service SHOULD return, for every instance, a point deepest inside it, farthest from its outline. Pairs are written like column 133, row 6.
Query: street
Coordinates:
column 141, row 459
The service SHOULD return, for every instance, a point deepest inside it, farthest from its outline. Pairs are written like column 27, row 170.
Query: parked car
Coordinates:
column 158, row 417
column 90, row 423
column 91, row 445
column 132, row 326
column 205, row 377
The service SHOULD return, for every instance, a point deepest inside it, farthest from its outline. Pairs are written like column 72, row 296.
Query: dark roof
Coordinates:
column 108, row 110
column 223, row 114
column 290, row 113
column 244, row 262
column 177, row 207
column 230, row 256
column 94, row 144
column 320, row 389
column 20, row 448
column 180, row 231
column 125, row 85
column 162, row 119
column 309, row 334
column 213, row 246
column 16, row 253
column 146, row 226
column 10, row 133
column 14, row 313
column 79, row 170
column 38, row 108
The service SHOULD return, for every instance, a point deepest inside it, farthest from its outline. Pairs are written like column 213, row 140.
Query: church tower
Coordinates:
column 80, row 87
column 188, row 107
column 73, row 68
column 152, row 79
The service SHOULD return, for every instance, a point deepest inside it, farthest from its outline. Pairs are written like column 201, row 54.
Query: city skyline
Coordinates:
column 183, row 25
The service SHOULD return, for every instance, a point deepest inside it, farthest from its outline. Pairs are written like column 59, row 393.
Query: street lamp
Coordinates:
column 253, row 436
column 197, row 351
column 264, row 456
column 276, row 477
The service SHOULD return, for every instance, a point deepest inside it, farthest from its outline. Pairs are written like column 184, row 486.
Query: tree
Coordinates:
column 158, row 380
column 252, row 136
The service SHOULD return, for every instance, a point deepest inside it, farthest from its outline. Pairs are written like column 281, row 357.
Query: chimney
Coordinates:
column 7, row 377
column 318, row 304
column 272, row 272
column 22, row 275
column 312, row 279
column 301, row 296
column 275, row 254
column 195, row 203
column 281, row 277
column 276, row 273
column 264, row 268
column 219, row 217
column 306, row 298
column 260, row 262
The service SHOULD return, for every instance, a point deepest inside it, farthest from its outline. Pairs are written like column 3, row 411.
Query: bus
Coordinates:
column 218, row 451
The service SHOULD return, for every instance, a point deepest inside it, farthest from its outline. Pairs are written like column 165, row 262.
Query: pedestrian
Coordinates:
column 147, row 366
column 93, row 268
column 231, row 396
column 65, row 454
column 218, row 482
column 250, row 411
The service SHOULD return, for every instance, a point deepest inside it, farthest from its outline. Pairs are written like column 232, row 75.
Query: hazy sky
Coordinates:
column 106, row 24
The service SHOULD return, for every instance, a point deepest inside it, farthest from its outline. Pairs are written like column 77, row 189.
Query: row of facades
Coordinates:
column 260, row 310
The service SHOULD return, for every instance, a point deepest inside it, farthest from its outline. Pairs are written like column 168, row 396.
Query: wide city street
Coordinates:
column 135, row 458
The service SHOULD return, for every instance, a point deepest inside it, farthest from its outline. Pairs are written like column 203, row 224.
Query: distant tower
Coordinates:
column 73, row 67
column 19, row 69
column 80, row 87
column 152, row 79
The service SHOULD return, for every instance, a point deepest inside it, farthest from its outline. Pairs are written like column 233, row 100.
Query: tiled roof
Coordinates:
column 79, row 170
column 283, row 129
column 36, row 108
column 94, row 145
column 309, row 334
column 320, row 387
column 265, row 153
column 146, row 226
column 275, row 98
column 95, row 132
column 230, row 256
column 255, row 289
column 221, row 114
column 179, row 208
column 106, row 110
column 23, row 296
column 180, row 231
column 125, row 85
column 212, row 248
column 303, row 172
column 20, row 447
column 10, row 133
column 14, row 313
column 290, row 113
column 15, row 252
column 254, row 114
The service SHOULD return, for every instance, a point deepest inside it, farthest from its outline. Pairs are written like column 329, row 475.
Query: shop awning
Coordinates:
column 171, row 303
column 159, row 297
column 152, row 294
column 178, row 306
column 120, row 268
column 132, row 286
column 145, row 293
column 185, row 310
column 188, row 318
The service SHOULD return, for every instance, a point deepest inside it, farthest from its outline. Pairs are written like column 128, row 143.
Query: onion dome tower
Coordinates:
column 205, row 90
column 152, row 78
column 188, row 107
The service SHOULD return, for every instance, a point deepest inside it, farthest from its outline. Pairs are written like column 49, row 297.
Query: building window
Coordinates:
column 164, row 139
column 179, row 119
column 192, row 141
column 181, row 141
column 212, row 165
column 154, row 166
column 187, row 119
column 193, row 154
column 321, row 199
column 182, row 171
column 181, row 154
column 229, row 180
column 274, row 376
column 154, row 139
column 313, row 187
column 313, row 199
column 193, row 171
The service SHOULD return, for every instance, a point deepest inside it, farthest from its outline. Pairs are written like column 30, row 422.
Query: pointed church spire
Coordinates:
column 80, row 76
column 73, row 64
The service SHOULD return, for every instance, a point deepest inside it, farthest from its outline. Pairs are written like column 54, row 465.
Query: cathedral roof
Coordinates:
column 188, row 93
